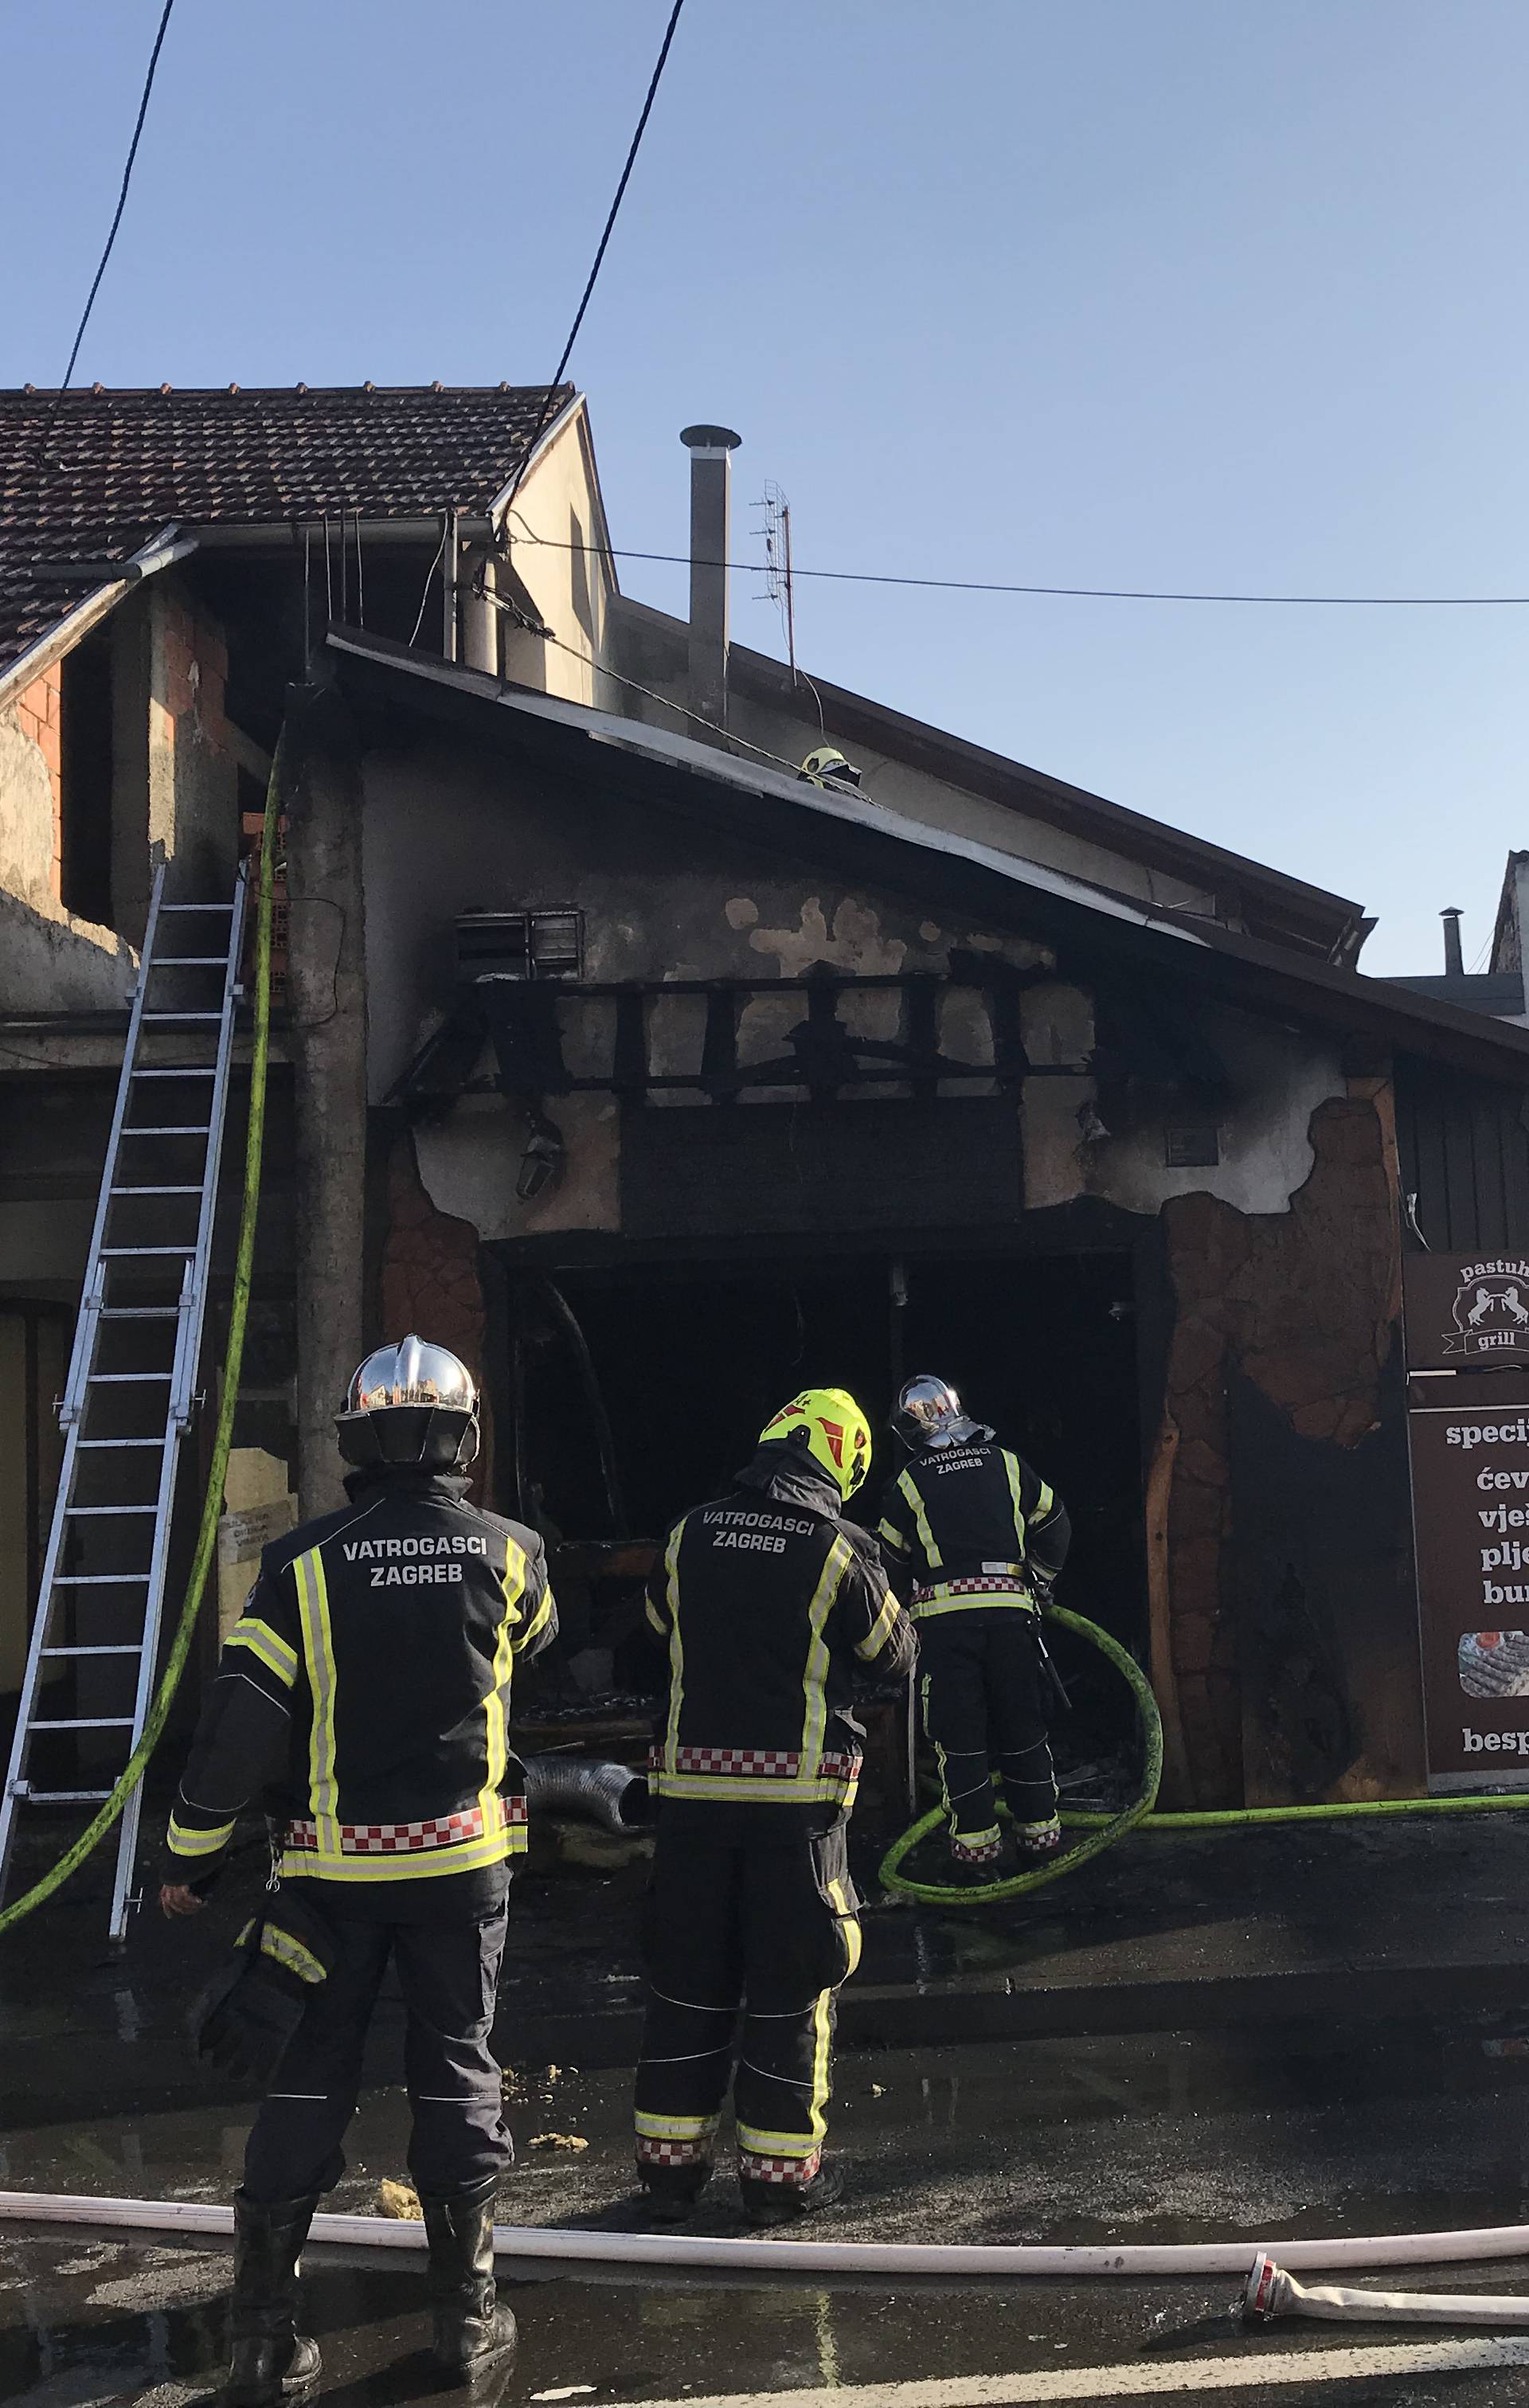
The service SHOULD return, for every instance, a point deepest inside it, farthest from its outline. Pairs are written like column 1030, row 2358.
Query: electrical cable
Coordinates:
column 1072, row 593
column 111, row 238
column 430, row 575
column 212, row 1505
column 649, row 693
column 552, row 390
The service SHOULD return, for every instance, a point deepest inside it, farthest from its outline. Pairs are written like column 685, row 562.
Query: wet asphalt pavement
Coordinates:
column 1282, row 2130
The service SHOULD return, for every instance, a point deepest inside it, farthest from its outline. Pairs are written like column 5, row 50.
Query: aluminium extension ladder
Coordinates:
column 131, row 1390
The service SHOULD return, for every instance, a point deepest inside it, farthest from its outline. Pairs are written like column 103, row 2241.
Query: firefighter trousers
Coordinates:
column 745, row 1943
column 447, row 1974
column 982, row 1695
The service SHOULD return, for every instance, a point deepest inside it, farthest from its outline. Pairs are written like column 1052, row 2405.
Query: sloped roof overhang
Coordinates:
column 865, row 842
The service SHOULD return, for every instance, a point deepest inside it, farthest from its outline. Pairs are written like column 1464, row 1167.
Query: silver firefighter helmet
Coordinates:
column 929, row 1413
column 410, row 1404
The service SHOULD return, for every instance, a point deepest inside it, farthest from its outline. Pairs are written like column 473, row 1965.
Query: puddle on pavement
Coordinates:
column 1293, row 2129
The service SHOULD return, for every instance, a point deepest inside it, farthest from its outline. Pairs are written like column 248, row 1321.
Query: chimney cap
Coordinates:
column 710, row 438
column 1452, row 911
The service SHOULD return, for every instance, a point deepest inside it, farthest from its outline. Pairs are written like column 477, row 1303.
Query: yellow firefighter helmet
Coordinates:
column 827, row 1425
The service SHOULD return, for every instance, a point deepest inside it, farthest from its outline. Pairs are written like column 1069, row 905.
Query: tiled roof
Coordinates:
column 121, row 464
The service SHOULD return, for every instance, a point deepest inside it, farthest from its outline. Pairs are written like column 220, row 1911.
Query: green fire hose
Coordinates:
column 212, row 1505
column 1104, row 1828
column 1112, row 1826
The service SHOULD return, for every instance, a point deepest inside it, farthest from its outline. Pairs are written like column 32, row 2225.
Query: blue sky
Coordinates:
column 1161, row 293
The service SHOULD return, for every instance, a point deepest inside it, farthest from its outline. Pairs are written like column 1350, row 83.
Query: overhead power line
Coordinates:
column 111, row 237
column 653, row 81
column 1075, row 593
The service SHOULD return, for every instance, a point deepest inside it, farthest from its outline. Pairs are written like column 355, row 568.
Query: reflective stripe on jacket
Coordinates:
column 363, row 1693
column 766, row 1600
column 967, row 1522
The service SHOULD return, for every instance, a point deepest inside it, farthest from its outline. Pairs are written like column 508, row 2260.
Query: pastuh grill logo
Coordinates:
column 1490, row 1311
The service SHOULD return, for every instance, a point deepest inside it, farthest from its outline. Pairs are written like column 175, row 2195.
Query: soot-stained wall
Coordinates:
column 1283, row 1632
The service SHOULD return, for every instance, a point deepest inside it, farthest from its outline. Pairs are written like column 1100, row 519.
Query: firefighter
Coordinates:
column 364, row 1695
column 979, row 1536
column 768, row 1599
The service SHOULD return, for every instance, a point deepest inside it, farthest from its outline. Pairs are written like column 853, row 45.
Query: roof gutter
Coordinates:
column 161, row 552
column 288, row 535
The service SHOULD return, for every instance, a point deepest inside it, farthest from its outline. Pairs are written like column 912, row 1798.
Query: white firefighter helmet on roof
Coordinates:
column 929, row 1413
column 826, row 765
column 409, row 1404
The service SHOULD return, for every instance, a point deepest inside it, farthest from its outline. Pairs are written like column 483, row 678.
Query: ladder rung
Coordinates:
column 187, row 1070
column 137, row 1313
column 125, row 1379
column 189, row 962
column 81, row 1443
column 120, row 1253
column 77, row 1512
column 190, row 1128
column 93, row 1651
column 99, row 1580
column 23, row 1789
column 155, row 1191
column 86, row 1722
column 182, row 1016
column 194, row 907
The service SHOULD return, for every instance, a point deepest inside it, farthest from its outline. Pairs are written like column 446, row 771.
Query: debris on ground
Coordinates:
column 400, row 2200
column 558, row 2141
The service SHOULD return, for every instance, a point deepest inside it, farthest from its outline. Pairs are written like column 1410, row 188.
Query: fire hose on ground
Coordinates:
column 1269, row 2291
column 1101, row 1828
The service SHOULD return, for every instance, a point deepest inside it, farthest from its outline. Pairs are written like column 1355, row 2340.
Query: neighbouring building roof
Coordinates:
column 121, row 466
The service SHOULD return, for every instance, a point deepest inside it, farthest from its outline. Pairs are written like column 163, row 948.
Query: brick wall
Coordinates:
column 195, row 669
column 430, row 1284
column 39, row 718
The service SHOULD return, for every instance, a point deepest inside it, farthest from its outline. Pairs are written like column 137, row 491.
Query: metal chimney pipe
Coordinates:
column 710, row 450
column 1454, row 960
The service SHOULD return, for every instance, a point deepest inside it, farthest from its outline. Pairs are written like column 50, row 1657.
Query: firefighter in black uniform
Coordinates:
column 766, row 1599
column 363, row 1696
column 978, row 1534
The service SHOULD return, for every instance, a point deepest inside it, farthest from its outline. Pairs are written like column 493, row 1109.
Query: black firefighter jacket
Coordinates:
column 363, row 1694
column 968, row 1522
column 767, row 1601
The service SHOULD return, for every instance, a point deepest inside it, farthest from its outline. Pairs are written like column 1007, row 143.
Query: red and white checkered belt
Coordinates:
column 404, row 1839
column 968, row 1585
column 769, row 1763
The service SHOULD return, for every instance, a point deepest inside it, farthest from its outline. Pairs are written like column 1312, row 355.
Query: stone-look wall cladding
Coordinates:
column 1276, row 1496
column 39, row 719
column 430, row 1283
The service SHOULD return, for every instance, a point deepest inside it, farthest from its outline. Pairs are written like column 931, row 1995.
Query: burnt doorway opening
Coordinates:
column 687, row 1361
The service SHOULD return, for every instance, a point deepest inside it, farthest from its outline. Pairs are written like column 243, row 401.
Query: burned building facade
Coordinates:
column 657, row 1081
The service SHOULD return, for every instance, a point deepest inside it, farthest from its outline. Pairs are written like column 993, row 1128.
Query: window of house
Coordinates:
column 85, row 777
column 519, row 945
column 1192, row 1145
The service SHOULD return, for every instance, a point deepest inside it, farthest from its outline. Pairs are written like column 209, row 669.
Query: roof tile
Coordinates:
column 121, row 464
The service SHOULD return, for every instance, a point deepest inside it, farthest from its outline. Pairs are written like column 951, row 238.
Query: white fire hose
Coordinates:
column 1271, row 2292
column 565, row 2245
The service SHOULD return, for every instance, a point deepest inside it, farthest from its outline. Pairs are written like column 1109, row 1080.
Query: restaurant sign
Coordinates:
column 1466, row 1311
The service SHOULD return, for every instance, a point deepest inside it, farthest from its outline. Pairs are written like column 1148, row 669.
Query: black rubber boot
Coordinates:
column 671, row 2194
column 472, row 2330
column 270, row 2360
column 783, row 2202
